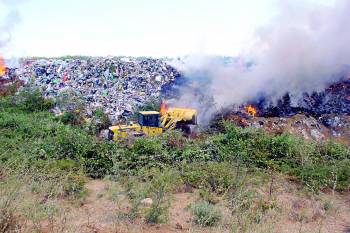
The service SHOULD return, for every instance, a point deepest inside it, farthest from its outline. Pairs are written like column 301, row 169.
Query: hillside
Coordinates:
column 57, row 176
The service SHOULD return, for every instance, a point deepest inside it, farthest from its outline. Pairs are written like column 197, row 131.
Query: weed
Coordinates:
column 328, row 205
column 159, row 208
column 205, row 214
column 8, row 219
column 208, row 196
column 73, row 186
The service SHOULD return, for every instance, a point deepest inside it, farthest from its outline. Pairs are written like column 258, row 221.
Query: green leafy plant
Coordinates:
column 205, row 213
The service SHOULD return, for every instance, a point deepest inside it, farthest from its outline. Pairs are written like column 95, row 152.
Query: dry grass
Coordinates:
column 256, row 209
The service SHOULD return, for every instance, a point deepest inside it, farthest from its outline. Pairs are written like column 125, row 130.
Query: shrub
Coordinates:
column 145, row 152
column 205, row 213
column 318, row 176
column 31, row 136
column 208, row 196
column 159, row 208
column 8, row 219
column 71, row 117
column 160, row 187
column 97, row 160
column 98, row 122
column 31, row 100
column 333, row 150
column 136, row 193
column 73, row 185
column 213, row 176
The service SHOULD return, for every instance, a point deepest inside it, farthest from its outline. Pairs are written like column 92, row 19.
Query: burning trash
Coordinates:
column 2, row 66
column 163, row 108
column 251, row 110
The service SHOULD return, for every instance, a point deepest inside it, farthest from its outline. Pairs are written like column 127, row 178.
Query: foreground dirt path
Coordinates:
column 98, row 213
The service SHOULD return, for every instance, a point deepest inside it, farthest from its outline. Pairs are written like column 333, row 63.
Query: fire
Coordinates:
column 251, row 110
column 163, row 108
column 2, row 66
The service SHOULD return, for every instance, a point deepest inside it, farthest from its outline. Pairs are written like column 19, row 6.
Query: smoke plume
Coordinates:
column 304, row 49
column 8, row 24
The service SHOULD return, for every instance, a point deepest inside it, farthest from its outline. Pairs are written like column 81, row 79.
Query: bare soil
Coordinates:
column 296, row 212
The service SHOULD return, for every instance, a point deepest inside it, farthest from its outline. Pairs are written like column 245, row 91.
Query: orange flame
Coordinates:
column 251, row 110
column 163, row 108
column 2, row 66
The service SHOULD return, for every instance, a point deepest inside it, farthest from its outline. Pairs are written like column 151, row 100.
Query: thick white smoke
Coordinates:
column 303, row 49
column 8, row 23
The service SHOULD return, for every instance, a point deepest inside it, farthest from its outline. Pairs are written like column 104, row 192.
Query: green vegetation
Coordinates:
column 55, row 155
column 34, row 136
column 205, row 213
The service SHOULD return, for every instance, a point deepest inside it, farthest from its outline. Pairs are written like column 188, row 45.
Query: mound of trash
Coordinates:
column 318, row 116
column 120, row 85
column 116, row 85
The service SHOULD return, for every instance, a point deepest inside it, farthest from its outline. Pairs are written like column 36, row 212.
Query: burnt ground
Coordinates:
column 318, row 116
column 335, row 99
column 329, row 126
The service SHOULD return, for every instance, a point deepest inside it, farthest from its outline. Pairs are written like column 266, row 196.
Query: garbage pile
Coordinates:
column 317, row 116
column 335, row 99
column 328, row 126
column 116, row 85
column 9, row 81
column 119, row 86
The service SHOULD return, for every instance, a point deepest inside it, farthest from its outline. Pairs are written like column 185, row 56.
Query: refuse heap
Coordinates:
column 335, row 99
column 318, row 116
column 116, row 85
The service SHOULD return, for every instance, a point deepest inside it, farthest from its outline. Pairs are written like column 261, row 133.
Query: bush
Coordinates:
column 157, row 184
column 102, row 120
column 318, row 176
column 158, row 213
column 145, row 152
column 97, row 161
column 212, row 176
column 205, row 213
column 333, row 151
column 162, row 183
column 73, row 185
column 33, row 137
column 97, row 123
column 71, row 117
column 31, row 100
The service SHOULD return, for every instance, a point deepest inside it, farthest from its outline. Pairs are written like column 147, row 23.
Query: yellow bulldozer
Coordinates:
column 153, row 123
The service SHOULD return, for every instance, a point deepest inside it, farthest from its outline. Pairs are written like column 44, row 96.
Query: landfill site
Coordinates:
column 193, row 116
column 120, row 86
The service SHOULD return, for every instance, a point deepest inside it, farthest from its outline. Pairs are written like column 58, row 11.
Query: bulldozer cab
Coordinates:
column 149, row 118
column 150, row 122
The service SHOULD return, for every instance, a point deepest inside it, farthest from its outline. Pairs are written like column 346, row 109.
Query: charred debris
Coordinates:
column 319, row 116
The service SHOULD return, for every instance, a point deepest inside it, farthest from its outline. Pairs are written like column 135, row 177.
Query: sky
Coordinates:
column 155, row 28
